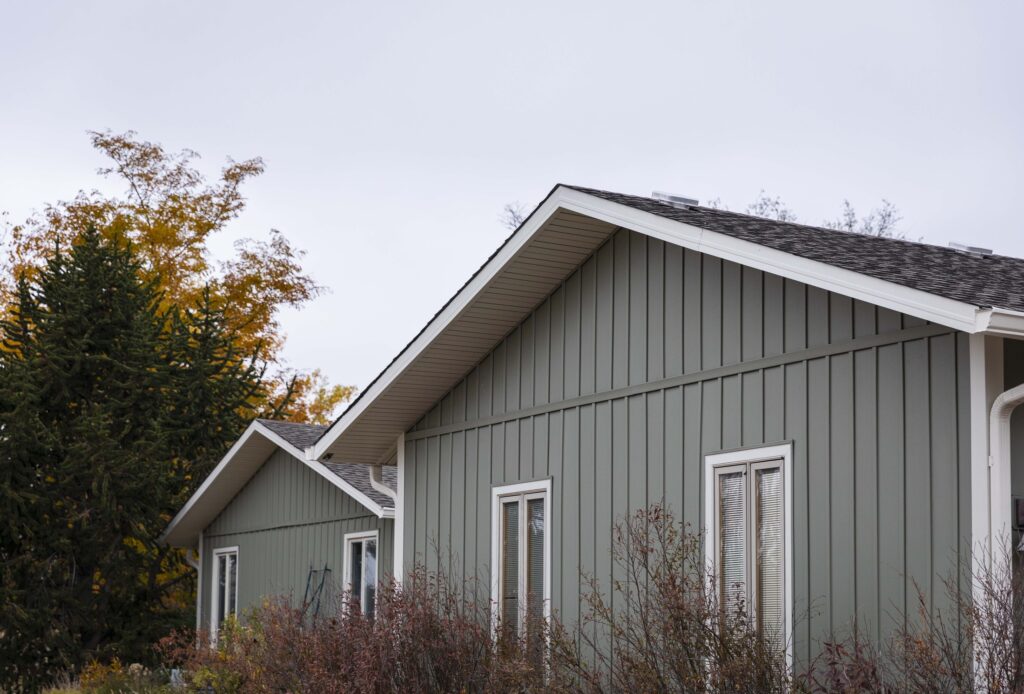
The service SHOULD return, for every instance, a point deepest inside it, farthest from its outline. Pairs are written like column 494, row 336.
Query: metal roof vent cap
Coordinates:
column 674, row 200
column 970, row 250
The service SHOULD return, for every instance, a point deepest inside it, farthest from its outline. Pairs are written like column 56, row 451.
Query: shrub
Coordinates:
column 661, row 627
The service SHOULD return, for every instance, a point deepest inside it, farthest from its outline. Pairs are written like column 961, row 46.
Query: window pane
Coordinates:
column 770, row 551
column 370, row 576
column 732, row 538
column 222, row 579
column 232, row 587
column 356, row 570
column 535, row 556
column 510, row 567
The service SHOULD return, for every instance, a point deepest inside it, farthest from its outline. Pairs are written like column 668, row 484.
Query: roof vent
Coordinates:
column 674, row 200
column 973, row 250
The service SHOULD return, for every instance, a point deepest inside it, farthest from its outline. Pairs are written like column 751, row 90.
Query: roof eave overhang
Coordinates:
column 948, row 312
column 235, row 469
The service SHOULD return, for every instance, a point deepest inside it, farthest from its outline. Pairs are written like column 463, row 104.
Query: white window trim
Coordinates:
column 359, row 537
column 497, row 494
column 783, row 452
column 214, row 593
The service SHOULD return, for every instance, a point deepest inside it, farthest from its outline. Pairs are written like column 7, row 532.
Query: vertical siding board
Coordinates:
column 433, row 513
column 540, row 447
column 891, row 496
column 572, row 335
column 918, row 504
column 485, row 481
column 620, row 312
column 473, row 395
column 673, row 453
column 819, row 494
column 588, row 326
column 752, row 327
column 604, row 518
column 570, row 526
column 637, row 308
column 889, row 321
column 500, row 378
column 842, row 486
column 556, row 389
column 637, row 433
column 445, row 499
column 655, row 417
column 796, row 430
column 732, row 412
column 693, row 449
column 620, row 476
column 692, row 310
column 673, row 310
column 604, row 319
column 556, row 445
column 411, row 519
column 865, row 449
column 711, row 313
column 943, row 466
column 817, row 317
column 864, row 321
column 752, row 395
column 655, row 310
column 526, row 364
column 498, row 475
column 486, row 396
column 511, row 454
column 422, row 477
column 526, row 448
column 587, row 491
column 472, row 502
column 774, row 404
column 542, row 352
column 774, row 316
column 795, row 337
column 732, row 312
column 840, row 318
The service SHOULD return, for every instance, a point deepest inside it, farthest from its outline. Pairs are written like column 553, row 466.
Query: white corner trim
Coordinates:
column 999, row 452
column 981, row 515
column 497, row 493
column 399, row 534
column 782, row 452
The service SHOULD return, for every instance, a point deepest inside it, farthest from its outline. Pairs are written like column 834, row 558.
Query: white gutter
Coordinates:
column 377, row 482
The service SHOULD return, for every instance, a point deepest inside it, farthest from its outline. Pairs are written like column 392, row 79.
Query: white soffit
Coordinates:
column 560, row 234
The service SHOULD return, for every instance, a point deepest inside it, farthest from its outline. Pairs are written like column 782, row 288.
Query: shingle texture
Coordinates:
column 303, row 435
column 985, row 281
column 298, row 435
column 358, row 476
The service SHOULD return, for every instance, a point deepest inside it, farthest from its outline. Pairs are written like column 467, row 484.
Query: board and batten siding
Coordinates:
column 649, row 357
column 285, row 521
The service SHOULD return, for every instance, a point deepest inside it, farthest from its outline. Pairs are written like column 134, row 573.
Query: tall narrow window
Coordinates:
column 225, row 587
column 361, row 570
column 521, row 556
column 748, row 531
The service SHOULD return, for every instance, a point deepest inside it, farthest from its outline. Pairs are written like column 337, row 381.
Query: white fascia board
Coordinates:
column 257, row 429
column 511, row 248
column 937, row 309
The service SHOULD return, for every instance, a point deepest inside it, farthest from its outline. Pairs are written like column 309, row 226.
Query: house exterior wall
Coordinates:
column 285, row 521
column 649, row 357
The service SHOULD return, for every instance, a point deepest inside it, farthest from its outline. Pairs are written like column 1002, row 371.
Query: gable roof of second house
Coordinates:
column 246, row 457
column 940, row 285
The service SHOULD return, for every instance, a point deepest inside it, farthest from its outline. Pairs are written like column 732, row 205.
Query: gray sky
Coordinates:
column 395, row 131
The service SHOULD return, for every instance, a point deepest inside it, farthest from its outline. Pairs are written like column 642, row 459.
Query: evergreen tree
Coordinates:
column 111, row 410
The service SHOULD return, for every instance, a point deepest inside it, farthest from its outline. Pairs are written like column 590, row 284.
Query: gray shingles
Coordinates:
column 985, row 281
column 358, row 475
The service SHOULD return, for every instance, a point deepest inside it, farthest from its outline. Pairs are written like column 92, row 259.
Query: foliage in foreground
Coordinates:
column 112, row 409
column 659, row 628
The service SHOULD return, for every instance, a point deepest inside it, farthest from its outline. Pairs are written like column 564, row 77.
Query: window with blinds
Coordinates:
column 225, row 582
column 361, row 570
column 750, row 542
column 522, row 556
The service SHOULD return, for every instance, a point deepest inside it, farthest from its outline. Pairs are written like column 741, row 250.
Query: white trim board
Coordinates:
column 948, row 312
column 783, row 452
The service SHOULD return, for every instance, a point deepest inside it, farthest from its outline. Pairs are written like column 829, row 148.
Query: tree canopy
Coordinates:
column 170, row 212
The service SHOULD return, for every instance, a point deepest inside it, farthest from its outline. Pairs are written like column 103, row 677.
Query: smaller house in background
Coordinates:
column 269, row 522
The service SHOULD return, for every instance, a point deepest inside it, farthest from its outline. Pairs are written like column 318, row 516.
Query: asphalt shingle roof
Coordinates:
column 985, row 281
column 356, row 474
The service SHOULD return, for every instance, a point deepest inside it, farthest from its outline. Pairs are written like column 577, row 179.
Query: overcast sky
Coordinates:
column 394, row 132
